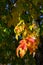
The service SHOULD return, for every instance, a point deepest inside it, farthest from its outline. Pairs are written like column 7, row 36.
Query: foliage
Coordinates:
column 12, row 12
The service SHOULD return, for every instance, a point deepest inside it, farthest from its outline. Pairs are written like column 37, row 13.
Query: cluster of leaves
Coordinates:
column 8, row 43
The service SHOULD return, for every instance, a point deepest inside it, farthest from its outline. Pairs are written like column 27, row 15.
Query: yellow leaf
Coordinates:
column 30, row 27
column 17, row 37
